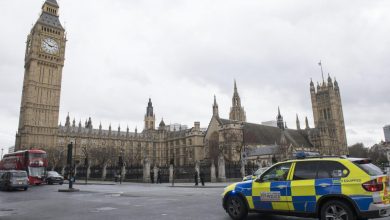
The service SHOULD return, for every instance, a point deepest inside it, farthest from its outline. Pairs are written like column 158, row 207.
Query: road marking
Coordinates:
column 102, row 209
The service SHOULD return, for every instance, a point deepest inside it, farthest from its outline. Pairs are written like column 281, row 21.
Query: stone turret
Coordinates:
column 67, row 122
column 150, row 118
column 237, row 112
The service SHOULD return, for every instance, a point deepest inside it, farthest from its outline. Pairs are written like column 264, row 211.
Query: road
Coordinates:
column 126, row 201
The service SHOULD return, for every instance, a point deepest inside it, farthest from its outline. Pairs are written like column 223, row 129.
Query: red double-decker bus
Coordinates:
column 32, row 161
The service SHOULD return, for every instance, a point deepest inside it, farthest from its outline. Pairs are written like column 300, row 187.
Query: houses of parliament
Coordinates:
column 162, row 144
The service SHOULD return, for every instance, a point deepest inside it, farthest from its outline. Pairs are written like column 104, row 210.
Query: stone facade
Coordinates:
column 44, row 60
column 329, row 132
column 230, row 138
column 160, row 146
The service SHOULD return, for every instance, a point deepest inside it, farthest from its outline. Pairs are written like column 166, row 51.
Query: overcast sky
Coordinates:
column 181, row 52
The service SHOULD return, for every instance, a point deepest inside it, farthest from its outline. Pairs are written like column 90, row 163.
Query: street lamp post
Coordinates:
column 120, row 165
column 70, row 161
column 70, row 164
column 86, row 164
column 173, row 166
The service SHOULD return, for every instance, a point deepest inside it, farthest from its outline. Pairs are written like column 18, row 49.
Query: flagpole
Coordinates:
column 322, row 72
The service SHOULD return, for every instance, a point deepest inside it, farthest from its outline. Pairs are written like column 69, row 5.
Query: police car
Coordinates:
column 330, row 188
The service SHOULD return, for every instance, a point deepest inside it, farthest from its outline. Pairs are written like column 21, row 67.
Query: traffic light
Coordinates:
column 70, row 151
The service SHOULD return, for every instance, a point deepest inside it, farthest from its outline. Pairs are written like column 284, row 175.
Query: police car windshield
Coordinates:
column 368, row 167
column 260, row 171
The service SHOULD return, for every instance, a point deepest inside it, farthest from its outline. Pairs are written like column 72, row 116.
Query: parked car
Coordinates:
column 53, row 177
column 13, row 179
column 255, row 174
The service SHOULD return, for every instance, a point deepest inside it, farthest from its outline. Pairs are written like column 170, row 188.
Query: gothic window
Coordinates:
column 190, row 142
column 325, row 115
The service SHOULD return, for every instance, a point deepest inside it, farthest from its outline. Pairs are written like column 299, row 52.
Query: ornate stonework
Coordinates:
column 237, row 112
column 329, row 132
column 160, row 146
column 44, row 60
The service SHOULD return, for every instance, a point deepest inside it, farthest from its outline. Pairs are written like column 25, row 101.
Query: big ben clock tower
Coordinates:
column 44, row 60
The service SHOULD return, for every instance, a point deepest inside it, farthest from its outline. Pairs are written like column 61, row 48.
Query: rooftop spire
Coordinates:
column 235, row 86
column 330, row 83
column 50, row 7
column 149, row 109
column 67, row 122
column 237, row 112
column 298, row 123
column 307, row 123
column 162, row 123
column 279, row 120
column 52, row 2
column 215, row 107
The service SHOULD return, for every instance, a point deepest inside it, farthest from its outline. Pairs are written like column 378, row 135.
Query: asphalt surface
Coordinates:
column 126, row 201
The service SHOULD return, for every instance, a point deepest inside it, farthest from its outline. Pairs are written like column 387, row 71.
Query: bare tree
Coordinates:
column 102, row 156
column 55, row 156
column 358, row 150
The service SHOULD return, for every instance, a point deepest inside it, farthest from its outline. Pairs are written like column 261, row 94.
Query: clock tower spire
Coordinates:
column 44, row 61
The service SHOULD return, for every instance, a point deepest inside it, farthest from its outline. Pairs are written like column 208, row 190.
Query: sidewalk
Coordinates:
column 207, row 185
column 183, row 185
column 92, row 182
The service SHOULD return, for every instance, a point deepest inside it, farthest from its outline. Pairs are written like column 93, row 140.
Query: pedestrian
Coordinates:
column 196, row 177
column 152, row 176
column 159, row 176
column 201, row 175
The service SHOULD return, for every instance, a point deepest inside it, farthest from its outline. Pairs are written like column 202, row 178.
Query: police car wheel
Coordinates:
column 236, row 208
column 336, row 210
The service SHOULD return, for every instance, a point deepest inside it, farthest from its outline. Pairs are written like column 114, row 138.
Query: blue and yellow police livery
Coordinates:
column 331, row 188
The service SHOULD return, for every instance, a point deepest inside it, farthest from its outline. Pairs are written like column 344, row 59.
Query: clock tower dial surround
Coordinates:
column 44, row 61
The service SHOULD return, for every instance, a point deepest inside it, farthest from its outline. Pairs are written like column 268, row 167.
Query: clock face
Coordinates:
column 49, row 45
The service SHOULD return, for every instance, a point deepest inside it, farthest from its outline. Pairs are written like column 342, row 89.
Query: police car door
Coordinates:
column 303, row 187
column 271, row 191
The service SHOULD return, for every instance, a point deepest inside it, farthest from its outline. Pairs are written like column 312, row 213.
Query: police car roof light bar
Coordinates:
column 313, row 155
